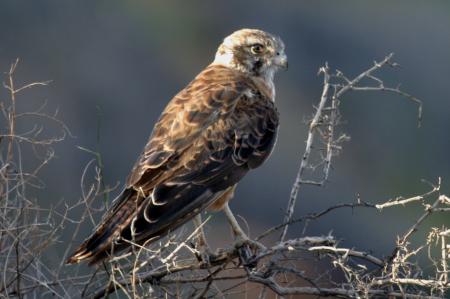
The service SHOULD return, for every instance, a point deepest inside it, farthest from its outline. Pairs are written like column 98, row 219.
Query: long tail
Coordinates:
column 98, row 246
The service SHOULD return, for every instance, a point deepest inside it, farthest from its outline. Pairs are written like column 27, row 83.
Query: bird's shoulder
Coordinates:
column 221, row 83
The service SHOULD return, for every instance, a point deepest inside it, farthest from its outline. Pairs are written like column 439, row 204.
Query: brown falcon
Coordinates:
column 214, row 131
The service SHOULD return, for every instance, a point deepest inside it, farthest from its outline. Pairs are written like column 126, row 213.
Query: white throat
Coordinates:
column 268, row 79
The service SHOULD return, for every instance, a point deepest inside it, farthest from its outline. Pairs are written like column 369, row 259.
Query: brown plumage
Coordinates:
column 210, row 135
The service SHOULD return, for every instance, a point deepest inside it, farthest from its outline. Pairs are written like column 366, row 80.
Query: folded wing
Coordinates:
column 206, row 140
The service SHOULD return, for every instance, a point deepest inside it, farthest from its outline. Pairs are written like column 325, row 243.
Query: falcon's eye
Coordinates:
column 257, row 48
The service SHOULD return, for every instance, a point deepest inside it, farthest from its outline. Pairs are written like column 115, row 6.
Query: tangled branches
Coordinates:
column 285, row 263
column 27, row 229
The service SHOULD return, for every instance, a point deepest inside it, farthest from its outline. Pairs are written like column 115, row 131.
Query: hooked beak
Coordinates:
column 281, row 61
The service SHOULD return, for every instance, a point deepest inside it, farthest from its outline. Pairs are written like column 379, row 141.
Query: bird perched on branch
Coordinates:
column 223, row 124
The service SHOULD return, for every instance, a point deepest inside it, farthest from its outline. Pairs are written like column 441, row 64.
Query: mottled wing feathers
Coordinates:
column 213, row 93
column 209, row 136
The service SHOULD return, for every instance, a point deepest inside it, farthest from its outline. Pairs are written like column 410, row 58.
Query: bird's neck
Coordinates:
column 267, row 79
column 264, row 80
column 267, row 87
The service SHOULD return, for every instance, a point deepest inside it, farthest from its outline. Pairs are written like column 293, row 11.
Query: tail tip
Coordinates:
column 78, row 257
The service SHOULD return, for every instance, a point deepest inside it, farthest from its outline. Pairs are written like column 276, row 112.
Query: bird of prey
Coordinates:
column 220, row 126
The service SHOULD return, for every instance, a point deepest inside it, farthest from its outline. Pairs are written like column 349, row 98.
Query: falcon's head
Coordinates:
column 252, row 51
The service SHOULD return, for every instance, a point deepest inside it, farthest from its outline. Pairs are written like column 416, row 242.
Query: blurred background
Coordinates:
column 115, row 64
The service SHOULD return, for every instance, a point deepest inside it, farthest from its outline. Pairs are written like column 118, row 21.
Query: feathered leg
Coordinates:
column 243, row 242
column 237, row 230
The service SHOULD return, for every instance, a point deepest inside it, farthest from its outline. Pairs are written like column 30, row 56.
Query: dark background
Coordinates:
column 118, row 63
